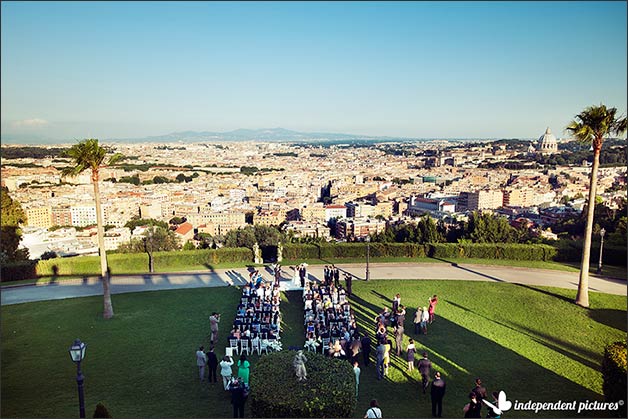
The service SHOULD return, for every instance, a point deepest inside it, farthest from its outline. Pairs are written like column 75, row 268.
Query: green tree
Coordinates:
column 141, row 222
column 429, row 230
column 88, row 155
column 488, row 228
column 242, row 237
column 11, row 216
column 189, row 246
column 591, row 127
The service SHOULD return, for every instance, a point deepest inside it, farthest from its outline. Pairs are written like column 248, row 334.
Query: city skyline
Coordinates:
column 419, row 70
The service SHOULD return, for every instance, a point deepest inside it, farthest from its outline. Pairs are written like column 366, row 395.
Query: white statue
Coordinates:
column 257, row 254
column 299, row 366
column 279, row 252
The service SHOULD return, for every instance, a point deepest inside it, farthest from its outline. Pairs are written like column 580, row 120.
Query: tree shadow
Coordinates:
column 609, row 317
column 461, row 355
column 455, row 265
column 546, row 292
column 551, row 342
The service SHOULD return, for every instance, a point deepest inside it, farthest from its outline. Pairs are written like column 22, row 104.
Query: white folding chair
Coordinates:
column 263, row 345
column 233, row 344
column 324, row 344
column 255, row 346
column 244, row 346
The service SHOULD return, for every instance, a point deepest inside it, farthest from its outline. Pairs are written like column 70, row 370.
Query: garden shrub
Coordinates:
column 16, row 271
column 128, row 263
column 491, row 251
column 101, row 411
column 614, row 373
column 329, row 390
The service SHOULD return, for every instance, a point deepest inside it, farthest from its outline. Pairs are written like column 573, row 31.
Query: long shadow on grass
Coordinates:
column 455, row 265
column 609, row 317
column 462, row 355
column 557, row 345
column 546, row 292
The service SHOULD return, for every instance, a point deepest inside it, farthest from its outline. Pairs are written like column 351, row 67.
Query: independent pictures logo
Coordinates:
column 504, row 405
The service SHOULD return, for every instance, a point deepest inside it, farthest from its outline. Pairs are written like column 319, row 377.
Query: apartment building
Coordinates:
column 39, row 217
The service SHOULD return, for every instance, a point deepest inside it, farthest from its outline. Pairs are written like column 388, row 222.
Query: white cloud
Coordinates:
column 30, row 123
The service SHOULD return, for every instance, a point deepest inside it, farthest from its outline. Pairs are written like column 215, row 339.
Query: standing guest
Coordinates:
column 374, row 411
column 225, row 371
column 387, row 348
column 399, row 338
column 295, row 276
column 238, row 397
column 381, row 333
column 214, row 319
column 348, row 280
column 243, row 369
column 212, row 363
column 326, row 276
column 356, row 371
column 302, row 273
column 417, row 320
column 410, row 351
column 425, row 316
column 425, row 366
column 473, row 408
column 354, row 349
column 433, row 301
column 401, row 315
column 479, row 391
column 437, row 393
column 366, row 349
column 336, row 273
column 379, row 366
column 395, row 303
column 201, row 360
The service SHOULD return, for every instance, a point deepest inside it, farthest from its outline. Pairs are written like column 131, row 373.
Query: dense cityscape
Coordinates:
column 301, row 187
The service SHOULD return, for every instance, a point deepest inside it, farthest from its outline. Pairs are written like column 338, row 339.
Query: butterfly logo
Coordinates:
column 503, row 403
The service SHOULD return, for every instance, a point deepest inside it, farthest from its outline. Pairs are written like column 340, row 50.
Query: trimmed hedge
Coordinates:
column 571, row 251
column 16, row 271
column 127, row 263
column 413, row 250
column 491, row 251
column 328, row 392
column 614, row 373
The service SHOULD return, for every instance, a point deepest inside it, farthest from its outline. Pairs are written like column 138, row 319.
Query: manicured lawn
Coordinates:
column 532, row 342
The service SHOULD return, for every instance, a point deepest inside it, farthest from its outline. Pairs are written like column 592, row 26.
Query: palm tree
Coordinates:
column 85, row 155
column 591, row 126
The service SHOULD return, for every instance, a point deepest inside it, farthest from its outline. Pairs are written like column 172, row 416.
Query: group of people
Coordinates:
column 329, row 319
column 424, row 316
column 258, row 314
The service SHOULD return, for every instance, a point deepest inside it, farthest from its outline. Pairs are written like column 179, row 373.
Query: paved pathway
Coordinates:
column 225, row 277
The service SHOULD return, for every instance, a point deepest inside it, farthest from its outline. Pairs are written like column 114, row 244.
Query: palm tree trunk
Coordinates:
column 582, row 297
column 104, row 273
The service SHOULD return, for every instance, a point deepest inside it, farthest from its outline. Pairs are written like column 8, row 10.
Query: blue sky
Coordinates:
column 418, row 69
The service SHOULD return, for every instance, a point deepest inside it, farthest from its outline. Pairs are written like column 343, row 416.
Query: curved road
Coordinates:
column 225, row 277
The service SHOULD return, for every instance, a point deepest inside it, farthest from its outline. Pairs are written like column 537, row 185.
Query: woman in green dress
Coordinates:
column 243, row 368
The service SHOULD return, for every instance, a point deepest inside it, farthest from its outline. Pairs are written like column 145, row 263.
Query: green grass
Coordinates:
column 532, row 342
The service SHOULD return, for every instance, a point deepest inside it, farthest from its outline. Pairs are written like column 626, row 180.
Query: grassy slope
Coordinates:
column 142, row 364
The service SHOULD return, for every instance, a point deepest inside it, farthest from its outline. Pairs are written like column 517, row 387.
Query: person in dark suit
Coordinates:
column 212, row 362
column 336, row 274
column 348, row 280
column 425, row 367
column 473, row 408
column 238, row 397
column 366, row 349
column 437, row 392
column 302, row 273
column 479, row 391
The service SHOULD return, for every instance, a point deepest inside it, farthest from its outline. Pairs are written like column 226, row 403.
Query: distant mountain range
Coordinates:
column 264, row 134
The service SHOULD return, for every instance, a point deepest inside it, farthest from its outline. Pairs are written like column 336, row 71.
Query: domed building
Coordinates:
column 547, row 142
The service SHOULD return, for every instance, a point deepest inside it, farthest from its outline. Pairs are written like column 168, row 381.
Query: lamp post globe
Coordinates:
column 77, row 354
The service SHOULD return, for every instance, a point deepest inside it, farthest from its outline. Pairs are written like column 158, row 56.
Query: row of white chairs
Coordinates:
column 239, row 346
